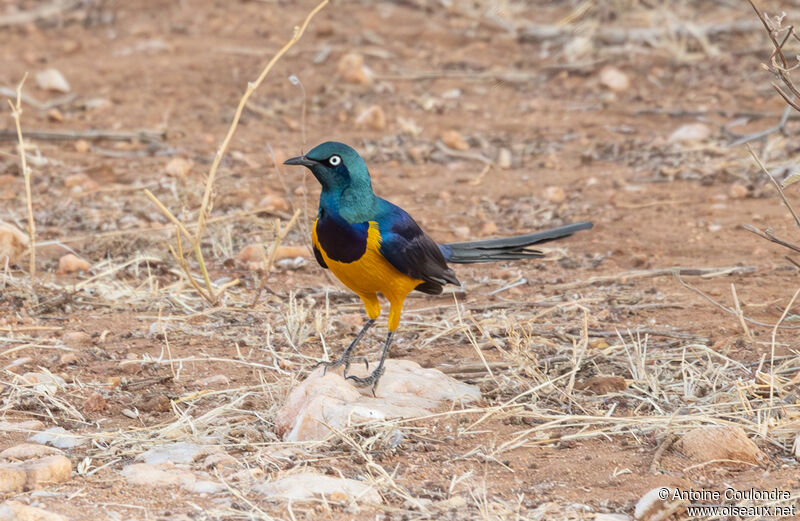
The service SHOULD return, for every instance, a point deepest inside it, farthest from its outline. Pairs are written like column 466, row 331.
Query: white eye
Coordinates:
column 335, row 160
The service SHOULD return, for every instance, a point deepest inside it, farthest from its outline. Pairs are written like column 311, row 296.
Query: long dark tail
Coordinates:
column 506, row 248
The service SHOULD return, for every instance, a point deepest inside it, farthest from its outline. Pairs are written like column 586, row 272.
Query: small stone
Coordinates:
column 614, row 79
column 94, row 403
column 25, row 451
column 13, row 243
column 352, row 69
column 76, row 339
column 167, row 475
column 12, row 478
column 58, row 437
column 47, row 383
column 462, row 232
column 82, row 146
column 405, row 390
column 720, row 442
column 253, row 257
column 738, row 191
column 178, row 167
column 309, row 486
column 693, row 132
column 55, row 115
column 52, row 79
column 129, row 413
column 602, row 384
column 555, row 194
column 291, row 252
column 15, row 511
column 214, row 380
column 372, row 118
column 454, row 140
column 598, row 343
column 68, row 358
column 180, row 452
column 158, row 403
column 504, row 158
column 70, row 263
column 80, row 182
column 49, row 469
column 272, row 203
column 652, row 508
column 23, row 426
column 488, row 228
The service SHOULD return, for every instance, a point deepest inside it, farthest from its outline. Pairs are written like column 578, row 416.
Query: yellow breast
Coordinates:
column 372, row 273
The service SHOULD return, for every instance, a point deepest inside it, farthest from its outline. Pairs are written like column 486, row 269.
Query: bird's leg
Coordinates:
column 348, row 353
column 373, row 378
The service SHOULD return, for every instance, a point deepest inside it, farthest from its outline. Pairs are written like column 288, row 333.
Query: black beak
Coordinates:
column 300, row 160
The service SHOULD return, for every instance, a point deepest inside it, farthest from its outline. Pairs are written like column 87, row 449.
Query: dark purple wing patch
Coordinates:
column 340, row 240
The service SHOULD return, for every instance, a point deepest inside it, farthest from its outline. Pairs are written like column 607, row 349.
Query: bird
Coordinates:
column 375, row 247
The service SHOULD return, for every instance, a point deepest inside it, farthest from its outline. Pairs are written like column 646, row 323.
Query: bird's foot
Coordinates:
column 342, row 360
column 371, row 380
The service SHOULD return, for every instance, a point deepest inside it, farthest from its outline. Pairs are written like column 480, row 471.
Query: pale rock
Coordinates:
column 454, row 140
column 504, row 158
column 555, row 194
column 405, row 390
column 52, row 79
column 29, row 466
column 352, row 69
column 13, row 243
column 652, row 508
column 614, row 79
column 181, row 452
column 372, row 118
column 58, row 437
column 12, row 477
column 291, row 252
column 738, row 191
column 720, row 442
column 308, row 486
column 25, row 451
column 612, row 517
column 690, row 133
column 252, row 257
column 49, row 469
column 47, row 383
column 76, row 338
column 178, row 167
column 55, row 115
column 220, row 460
column 15, row 511
column 80, row 183
column 70, row 263
column 23, row 426
column 578, row 48
column 462, row 231
column 168, row 475
column 273, row 203
column 217, row 379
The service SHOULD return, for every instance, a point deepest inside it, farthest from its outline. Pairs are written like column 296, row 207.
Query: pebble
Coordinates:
column 71, row 263
column 720, row 442
column 273, row 203
column 602, row 384
column 53, row 80
column 291, row 252
column 58, row 437
column 309, row 486
column 690, row 133
column 372, row 118
column 405, row 390
column 614, row 79
column 80, row 183
column 454, row 140
column 13, row 243
column 76, row 338
column 94, row 403
column 29, row 466
column 210, row 381
column 352, row 69
column 504, row 158
column 738, row 191
column 16, row 511
column 555, row 194
column 168, row 475
column 178, row 167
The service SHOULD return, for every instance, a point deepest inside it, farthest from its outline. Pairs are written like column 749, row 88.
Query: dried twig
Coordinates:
column 16, row 112
column 144, row 135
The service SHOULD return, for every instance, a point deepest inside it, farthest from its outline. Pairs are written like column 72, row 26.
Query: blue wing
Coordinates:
column 411, row 251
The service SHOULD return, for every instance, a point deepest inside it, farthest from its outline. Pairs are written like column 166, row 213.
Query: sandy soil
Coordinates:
column 604, row 302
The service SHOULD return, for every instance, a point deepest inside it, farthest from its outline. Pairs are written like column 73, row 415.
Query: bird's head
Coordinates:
column 336, row 166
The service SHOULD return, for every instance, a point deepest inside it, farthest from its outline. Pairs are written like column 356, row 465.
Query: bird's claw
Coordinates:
column 371, row 380
column 342, row 360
